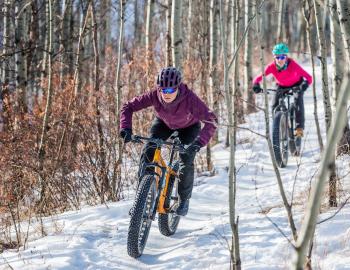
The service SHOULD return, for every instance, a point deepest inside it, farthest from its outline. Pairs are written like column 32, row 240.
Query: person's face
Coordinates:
column 169, row 94
column 280, row 59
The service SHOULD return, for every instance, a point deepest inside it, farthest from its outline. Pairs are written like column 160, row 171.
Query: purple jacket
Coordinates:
column 186, row 110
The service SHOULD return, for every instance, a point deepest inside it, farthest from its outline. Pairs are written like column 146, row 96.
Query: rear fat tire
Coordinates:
column 168, row 223
column 280, row 129
column 143, row 205
column 294, row 142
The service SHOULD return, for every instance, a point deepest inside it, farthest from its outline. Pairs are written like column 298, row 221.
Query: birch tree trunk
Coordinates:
column 20, row 64
column 306, row 7
column 5, row 64
column 189, row 30
column 338, row 73
column 313, row 207
column 343, row 7
column 168, row 60
column 45, row 51
column 280, row 25
column 176, row 33
column 323, row 59
column 104, row 187
column 149, row 54
column 326, row 99
column 213, row 74
column 118, row 94
column 237, row 93
column 49, row 94
column 249, row 94
column 137, row 28
column 235, row 252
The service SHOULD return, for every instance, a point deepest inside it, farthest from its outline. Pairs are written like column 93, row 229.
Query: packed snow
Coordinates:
column 95, row 237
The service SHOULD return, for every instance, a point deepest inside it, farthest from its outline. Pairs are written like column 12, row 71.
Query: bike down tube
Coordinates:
column 164, row 189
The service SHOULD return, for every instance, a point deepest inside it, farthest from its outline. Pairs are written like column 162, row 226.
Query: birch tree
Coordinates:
column 313, row 207
column 118, row 90
column 343, row 8
column 103, row 170
column 176, row 33
column 5, row 63
column 168, row 59
column 190, row 35
column 49, row 94
column 149, row 54
column 235, row 252
column 20, row 64
column 326, row 98
column 306, row 9
column 280, row 25
column 338, row 71
column 249, row 95
column 213, row 68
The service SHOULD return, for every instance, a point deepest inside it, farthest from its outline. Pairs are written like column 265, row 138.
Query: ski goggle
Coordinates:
column 168, row 90
column 280, row 57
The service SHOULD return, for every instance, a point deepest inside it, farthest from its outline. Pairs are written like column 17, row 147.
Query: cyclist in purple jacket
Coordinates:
column 179, row 109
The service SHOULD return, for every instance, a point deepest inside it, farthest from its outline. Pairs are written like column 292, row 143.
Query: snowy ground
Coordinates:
column 95, row 237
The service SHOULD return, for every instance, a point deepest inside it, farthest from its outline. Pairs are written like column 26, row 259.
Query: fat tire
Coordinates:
column 168, row 222
column 294, row 143
column 146, row 188
column 279, row 116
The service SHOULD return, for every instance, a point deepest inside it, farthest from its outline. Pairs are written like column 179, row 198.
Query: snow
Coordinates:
column 95, row 237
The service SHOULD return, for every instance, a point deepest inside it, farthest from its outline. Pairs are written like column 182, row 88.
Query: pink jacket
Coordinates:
column 288, row 77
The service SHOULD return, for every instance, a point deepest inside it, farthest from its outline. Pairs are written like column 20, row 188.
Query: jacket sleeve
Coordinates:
column 206, row 116
column 268, row 70
column 134, row 105
column 303, row 73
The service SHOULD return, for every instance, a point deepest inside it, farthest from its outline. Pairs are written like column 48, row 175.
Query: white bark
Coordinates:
column 118, row 85
column 316, row 195
column 213, row 73
column 150, row 5
column 235, row 253
column 249, row 94
column 168, row 60
column 189, row 30
column 280, row 25
column 176, row 33
column 343, row 7
column 307, row 17
column 323, row 59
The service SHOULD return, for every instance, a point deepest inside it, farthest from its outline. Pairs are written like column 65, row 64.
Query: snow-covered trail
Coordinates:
column 95, row 237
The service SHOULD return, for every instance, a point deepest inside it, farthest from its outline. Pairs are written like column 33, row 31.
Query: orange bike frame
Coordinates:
column 160, row 161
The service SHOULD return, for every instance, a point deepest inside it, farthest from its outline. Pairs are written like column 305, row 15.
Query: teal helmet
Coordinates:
column 280, row 48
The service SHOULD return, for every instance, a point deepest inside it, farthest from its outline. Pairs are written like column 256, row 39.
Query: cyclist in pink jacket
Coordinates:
column 287, row 73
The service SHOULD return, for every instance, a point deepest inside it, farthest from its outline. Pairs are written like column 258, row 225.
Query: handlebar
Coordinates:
column 288, row 90
column 176, row 143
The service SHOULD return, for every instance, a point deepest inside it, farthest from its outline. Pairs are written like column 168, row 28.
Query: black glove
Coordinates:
column 126, row 133
column 194, row 147
column 257, row 89
column 303, row 86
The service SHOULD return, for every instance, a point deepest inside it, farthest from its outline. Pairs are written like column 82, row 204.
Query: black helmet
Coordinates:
column 169, row 77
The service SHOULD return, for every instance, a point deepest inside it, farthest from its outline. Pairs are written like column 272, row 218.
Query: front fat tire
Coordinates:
column 294, row 142
column 276, row 139
column 146, row 194
column 168, row 223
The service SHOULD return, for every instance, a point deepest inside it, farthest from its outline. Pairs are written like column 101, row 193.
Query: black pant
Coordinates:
column 187, row 135
column 299, row 104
